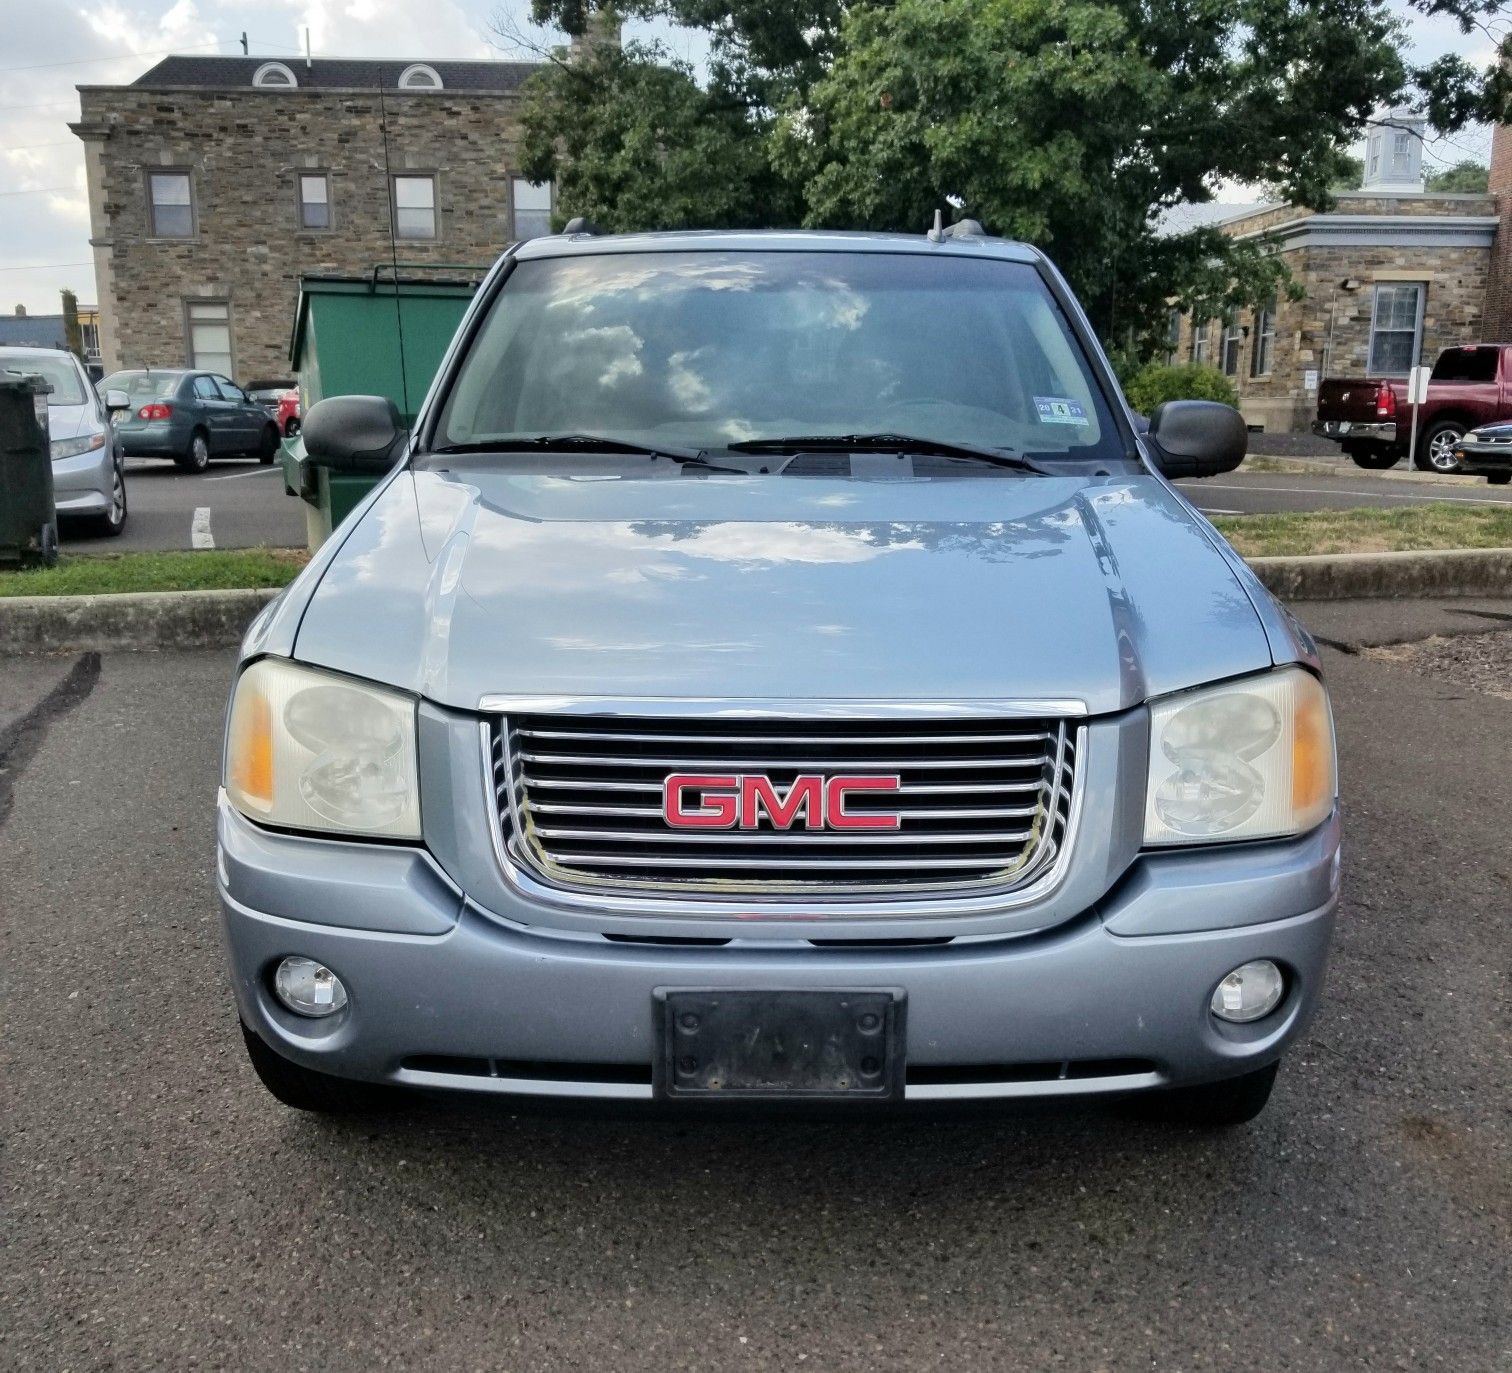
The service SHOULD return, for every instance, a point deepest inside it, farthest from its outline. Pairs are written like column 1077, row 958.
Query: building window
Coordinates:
column 532, row 207
column 1265, row 339
column 1233, row 345
column 415, row 207
column 209, row 335
column 420, row 78
column 1201, row 338
column 273, row 74
column 1395, row 325
column 1401, row 152
column 170, row 198
column 314, row 200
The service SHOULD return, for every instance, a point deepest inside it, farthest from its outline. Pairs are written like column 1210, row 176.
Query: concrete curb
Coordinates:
column 1365, row 576
column 1344, row 470
column 217, row 619
column 127, row 622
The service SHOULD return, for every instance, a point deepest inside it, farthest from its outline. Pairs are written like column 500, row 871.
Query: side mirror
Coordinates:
column 354, row 433
column 1197, row 438
column 117, row 400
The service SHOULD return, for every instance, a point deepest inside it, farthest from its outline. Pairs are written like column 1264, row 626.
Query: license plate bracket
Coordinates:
column 779, row 1044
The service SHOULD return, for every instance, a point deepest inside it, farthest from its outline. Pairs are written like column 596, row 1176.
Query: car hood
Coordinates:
column 615, row 582
column 69, row 421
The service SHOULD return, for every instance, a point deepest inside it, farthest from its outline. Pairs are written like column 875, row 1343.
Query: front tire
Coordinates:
column 195, row 458
column 113, row 521
column 306, row 1090
column 1498, row 478
column 1436, row 448
column 1372, row 459
column 1212, row 1105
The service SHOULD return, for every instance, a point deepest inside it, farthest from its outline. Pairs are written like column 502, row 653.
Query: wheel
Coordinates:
column 1498, row 478
column 1436, row 447
column 1213, row 1105
column 267, row 449
column 1373, row 459
column 46, row 553
column 306, row 1090
column 195, row 458
column 113, row 521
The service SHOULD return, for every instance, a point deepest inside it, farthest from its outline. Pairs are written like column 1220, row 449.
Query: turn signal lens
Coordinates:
column 249, row 751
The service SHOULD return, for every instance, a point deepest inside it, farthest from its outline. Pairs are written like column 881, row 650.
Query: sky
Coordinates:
column 48, row 47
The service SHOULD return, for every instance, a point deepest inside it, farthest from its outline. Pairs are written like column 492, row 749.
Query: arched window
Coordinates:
column 273, row 74
column 420, row 78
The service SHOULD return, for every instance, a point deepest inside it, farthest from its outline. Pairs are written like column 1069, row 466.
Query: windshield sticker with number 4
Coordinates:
column 1060, row 410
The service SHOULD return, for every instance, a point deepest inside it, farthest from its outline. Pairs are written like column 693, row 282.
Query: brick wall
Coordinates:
column 244, row 150
column 1499, row 292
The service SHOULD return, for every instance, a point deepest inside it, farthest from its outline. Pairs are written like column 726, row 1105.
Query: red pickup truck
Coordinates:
column 1372, row 420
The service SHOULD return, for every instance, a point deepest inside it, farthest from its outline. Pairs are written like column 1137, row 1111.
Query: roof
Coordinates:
column 335, row 73
column 33, row 331
column 778, row 240
column 1187, row 217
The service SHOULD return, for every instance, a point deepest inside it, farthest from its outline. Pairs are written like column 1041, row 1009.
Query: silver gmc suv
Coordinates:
column 775, row 668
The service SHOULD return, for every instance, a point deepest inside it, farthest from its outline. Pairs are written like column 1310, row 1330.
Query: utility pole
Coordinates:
column 244, row 42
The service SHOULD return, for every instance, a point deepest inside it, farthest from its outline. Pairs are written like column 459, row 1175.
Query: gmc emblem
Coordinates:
column 725, row 801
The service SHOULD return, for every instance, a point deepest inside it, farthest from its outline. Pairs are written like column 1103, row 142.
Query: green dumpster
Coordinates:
column 382, row 334
column 28, row 518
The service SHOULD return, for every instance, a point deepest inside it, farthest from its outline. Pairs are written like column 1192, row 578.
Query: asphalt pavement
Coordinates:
column 160, row 1210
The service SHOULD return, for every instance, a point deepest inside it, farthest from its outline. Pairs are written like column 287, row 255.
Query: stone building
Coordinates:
column 216, row 182
column 1391, row 276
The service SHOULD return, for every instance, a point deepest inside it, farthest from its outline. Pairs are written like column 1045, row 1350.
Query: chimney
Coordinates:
column 602, row 30
column 20, row 312
column 1497, row 327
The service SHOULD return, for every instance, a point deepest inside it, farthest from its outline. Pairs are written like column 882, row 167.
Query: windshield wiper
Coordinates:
column 569, row 443
column 886, row 443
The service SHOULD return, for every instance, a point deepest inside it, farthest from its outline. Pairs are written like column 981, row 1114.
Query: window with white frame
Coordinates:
column 1396, row 323
column 170, row 204
column 314, row 200
column 209, row 334
column 1401, row 152
column 1263, row 354
column 1201, row 339
column 419, row 77
column 531, row 206
column 1233, row 345
column 274, row 74
column 414, row 207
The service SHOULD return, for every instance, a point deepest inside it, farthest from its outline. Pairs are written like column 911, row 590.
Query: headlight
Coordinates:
column 311, row 751
column 72, row 448
column 1247, row 760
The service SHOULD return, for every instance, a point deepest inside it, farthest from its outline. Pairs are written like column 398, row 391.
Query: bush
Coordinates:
column 1155, row 383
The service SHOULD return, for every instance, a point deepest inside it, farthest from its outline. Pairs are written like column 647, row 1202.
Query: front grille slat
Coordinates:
column 982, row 805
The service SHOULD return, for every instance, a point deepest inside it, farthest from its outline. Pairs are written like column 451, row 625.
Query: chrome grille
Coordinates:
column 983, row 804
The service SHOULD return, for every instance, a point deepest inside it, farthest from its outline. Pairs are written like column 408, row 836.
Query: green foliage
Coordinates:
column 1350, row 173
column 1464, row 178
column 1155, row 383
column 1073, row 124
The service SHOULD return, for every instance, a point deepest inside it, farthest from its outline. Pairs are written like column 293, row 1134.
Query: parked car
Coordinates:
column 89, row 484
column 191, row 417
column 774, row 669
column 1372, row 421
column 281, row 400
column 1487, row 452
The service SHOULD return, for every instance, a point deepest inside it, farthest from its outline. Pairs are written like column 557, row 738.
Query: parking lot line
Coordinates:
column 255, row 472
column 199, row 529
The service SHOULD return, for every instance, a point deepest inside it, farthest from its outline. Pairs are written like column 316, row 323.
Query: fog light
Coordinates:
column 310, row 988
column 1249, row 992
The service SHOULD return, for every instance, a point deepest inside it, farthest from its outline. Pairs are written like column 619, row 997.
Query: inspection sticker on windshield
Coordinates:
column 1059, row 410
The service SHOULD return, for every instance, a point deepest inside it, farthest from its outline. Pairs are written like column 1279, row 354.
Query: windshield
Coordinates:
column 60, row 373
column 704, row 349
column 142, row 386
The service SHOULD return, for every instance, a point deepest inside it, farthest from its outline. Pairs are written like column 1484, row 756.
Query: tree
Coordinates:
column 1464, row 178
column 1074, row 124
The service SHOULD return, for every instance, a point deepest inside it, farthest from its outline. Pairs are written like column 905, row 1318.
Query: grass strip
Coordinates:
column 103, row 573
column 1402, row 530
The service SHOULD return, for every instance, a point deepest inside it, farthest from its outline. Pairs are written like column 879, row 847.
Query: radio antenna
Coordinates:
column 393, row 205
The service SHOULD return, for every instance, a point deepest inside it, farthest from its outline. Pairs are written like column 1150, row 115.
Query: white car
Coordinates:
column 88, row 481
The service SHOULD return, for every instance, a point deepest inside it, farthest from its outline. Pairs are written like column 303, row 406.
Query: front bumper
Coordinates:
column 1483, row 459
column 447, row 994
column 1340, row 430
column 81, row 484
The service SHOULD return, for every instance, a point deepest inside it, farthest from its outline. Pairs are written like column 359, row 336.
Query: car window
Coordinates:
column 231, row 391
column 142, row 386
column 1466, row 364
column 706, row 348
column 58, row 371
column 205, row 389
